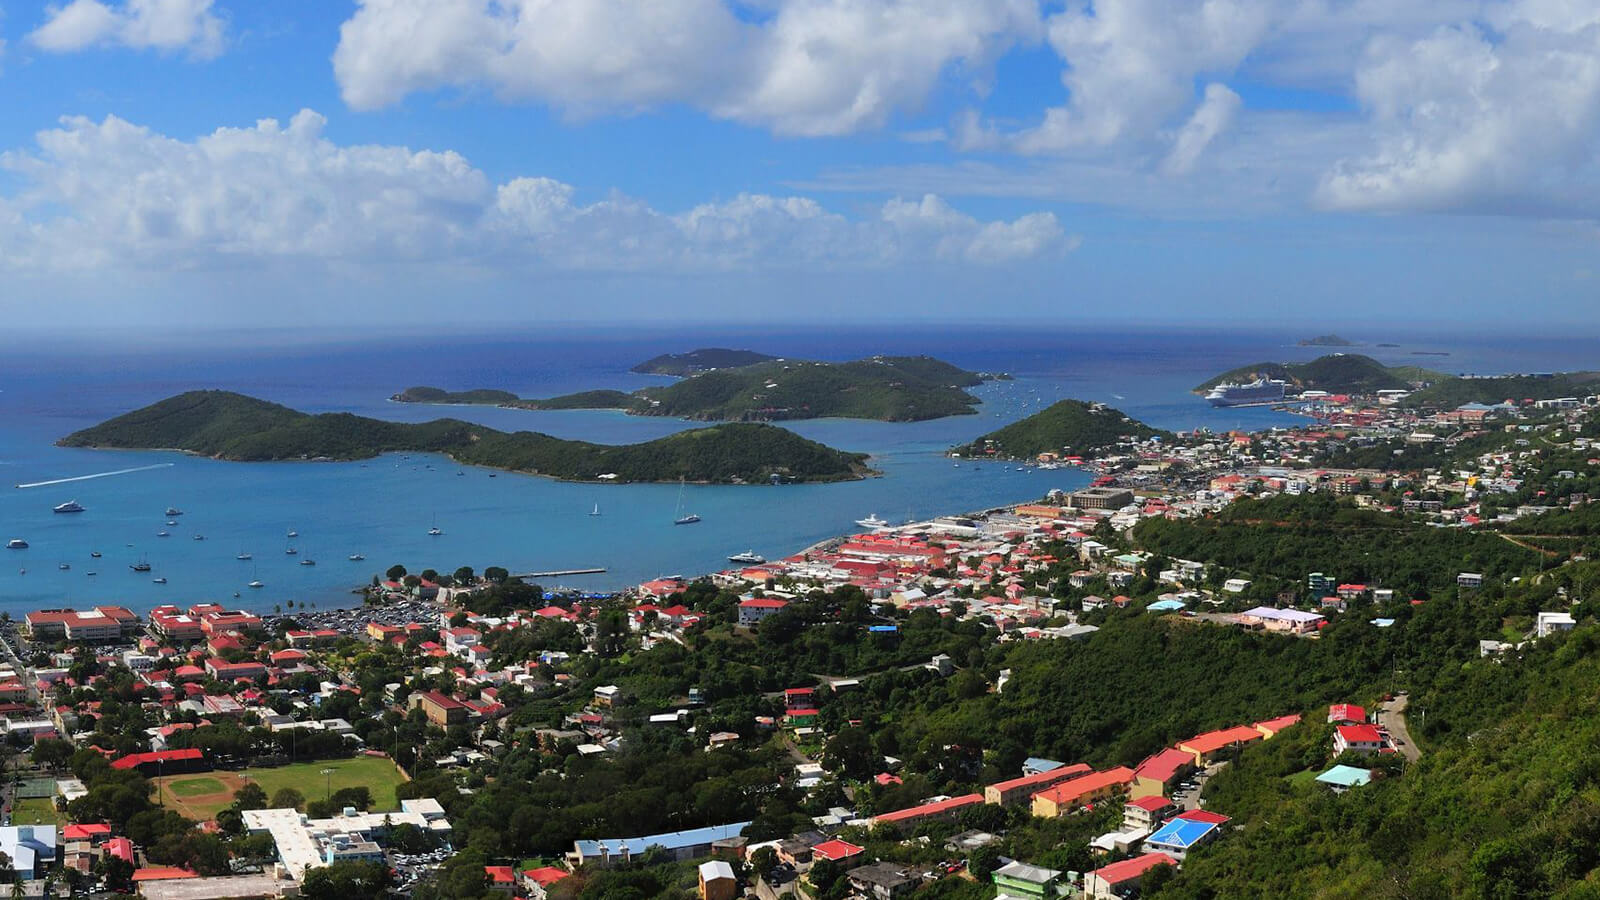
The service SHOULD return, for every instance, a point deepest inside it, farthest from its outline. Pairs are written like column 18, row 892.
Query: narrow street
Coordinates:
column 1392, row 718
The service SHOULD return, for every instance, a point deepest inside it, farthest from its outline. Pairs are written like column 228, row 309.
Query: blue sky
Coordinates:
column 509, row 161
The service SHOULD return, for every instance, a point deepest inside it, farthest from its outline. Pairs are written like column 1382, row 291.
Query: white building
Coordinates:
column 1547, row 623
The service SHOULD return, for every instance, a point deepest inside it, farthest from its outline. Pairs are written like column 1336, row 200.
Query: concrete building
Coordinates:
column 98, row 625
column 305, row 843
column 1358, row 739
column 1063, row 798
column 31, row 849
column 1101, row 498
column 440, row 710
column 681, row 845
column 1548, row 623
column 881, row 881
column 1021, row 790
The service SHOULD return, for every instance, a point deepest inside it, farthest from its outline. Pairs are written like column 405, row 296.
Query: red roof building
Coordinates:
column 1115, row 880
column 940, row 810
column 836, row 850
column 1021, row 790
column 1346, row 714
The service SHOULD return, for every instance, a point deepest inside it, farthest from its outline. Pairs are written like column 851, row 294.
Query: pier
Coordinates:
column 559, row 573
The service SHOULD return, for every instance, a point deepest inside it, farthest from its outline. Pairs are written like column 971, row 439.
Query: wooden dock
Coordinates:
column 559, row 573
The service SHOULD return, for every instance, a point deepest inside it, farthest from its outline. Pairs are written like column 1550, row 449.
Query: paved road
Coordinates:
column 1392, row 717
column 1192, row 800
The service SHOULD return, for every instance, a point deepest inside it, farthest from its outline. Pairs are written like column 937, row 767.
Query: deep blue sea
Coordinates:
column 383, row 508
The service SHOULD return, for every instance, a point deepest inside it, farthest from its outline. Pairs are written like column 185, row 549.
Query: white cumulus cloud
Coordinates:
column 803, row 67
column 1468, row 118
column 111, row 193
column 166, row 25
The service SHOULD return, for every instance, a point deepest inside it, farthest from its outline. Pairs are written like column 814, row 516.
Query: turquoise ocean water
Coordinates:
column 383, row 508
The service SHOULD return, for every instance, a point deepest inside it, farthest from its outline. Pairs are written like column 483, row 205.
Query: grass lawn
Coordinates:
column 1303, row 778
column 195, row 787
column 35, row 812
column 379, row 775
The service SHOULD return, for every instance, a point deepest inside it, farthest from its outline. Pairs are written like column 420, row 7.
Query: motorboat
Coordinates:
column 873, row 521
column 749, row 557
column 16, row 544
column 356, row 557
column 174, row 511
column 71, row 506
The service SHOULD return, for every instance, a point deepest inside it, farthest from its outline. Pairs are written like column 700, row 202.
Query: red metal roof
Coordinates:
column 1071, row 791
column 836, row 850
column 1129, row 869
column 930, row 809
column 189, row 754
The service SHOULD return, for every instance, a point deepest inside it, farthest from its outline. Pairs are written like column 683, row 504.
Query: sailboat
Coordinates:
column 682, row 519
column 595, row 511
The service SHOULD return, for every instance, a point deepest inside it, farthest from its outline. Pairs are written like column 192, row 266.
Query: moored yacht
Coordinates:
column 71, row 506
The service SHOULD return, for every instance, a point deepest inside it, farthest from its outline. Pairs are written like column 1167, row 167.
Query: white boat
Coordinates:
column 595, row 511
column 873, row 521
column 16, row 544
column 308, row 561
column 290, row 551
column 242, row 555
column 160, row 579
column 356, row 557
column 749, row 557
column 71, row 506
column 199, row 537
column 163, row 534
column 254, row 584
column 678, row 517
column 292, row 533
column 434, row 531
column 64, row 566
column 174, row 511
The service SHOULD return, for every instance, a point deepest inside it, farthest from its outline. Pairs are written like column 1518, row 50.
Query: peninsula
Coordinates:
column 1336, row 373
column 1355, row 374
column 885, row 388
column 226, row 425
column 1067, row 428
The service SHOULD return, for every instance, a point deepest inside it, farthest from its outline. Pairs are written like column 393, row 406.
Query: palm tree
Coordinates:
column 16, row 887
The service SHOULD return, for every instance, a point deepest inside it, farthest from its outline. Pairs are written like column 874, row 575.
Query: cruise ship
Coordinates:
column 1262, row 390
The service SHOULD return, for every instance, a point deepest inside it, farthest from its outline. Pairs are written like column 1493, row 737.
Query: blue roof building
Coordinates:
column 681, row 845
column 1343, row 778
column 1034, row 765
column 1179, row 836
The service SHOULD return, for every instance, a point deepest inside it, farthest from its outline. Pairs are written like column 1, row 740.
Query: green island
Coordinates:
column 1326, row 340
column 480, row 397
column 226, row 425
column 1336, row 373
column 1067, row 428
column 885, row 388
column 602, row 399
column 705, row 359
